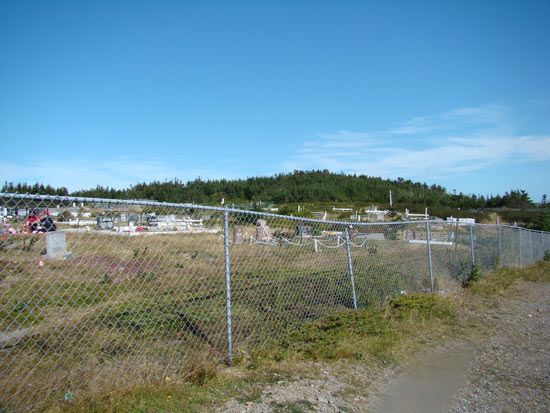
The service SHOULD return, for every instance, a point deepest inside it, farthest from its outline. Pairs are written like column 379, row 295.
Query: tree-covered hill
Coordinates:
column 299, row 186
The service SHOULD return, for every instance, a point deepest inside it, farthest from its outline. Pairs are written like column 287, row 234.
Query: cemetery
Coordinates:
column 138, row 284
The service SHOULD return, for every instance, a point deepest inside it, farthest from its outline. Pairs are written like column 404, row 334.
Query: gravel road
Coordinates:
column 505, row 370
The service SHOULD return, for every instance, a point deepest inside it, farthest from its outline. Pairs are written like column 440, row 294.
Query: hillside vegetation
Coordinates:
column 320, row 187
column 299, row 186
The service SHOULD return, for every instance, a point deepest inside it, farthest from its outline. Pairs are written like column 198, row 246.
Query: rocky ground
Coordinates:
column 512, row 368
column 505, row 369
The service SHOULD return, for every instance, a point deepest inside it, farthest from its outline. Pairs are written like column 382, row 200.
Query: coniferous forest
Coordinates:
column 320, row 187
column 296, row 187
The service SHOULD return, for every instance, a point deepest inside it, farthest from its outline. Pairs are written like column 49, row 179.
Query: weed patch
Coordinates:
column 370, row 333
column 385, row 333
column 299, row 406
column 497, row 282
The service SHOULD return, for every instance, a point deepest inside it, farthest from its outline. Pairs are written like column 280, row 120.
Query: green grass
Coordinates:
column 390, row 333
column 123, row 311
column 376, row 334
column 371, row 333
column 498, row 282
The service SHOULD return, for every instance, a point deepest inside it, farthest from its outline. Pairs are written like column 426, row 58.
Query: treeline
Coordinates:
column 532, row 219
column 296, row 187
column 37, row 188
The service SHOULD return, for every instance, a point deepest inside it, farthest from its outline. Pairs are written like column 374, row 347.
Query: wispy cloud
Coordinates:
column 115, row 173
column 435, row 147
column 539, row 102
column 489, row 116
column 459, row 141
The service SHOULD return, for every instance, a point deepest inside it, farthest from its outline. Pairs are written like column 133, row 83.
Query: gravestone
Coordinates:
column 302, row 230
column 378, row 236
column 105, row 223
column 152, row 221
column 56, row 245
column 238, row 235
column 262, row 231
column 169, row 219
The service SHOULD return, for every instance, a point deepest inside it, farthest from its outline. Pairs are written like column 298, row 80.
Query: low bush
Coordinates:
column 374, row 332
column 473, row 277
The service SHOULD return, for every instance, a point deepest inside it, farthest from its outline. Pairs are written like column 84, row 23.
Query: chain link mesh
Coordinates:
column 129, row 292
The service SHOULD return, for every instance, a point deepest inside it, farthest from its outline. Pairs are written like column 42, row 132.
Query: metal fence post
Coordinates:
column 531, row 247
column 520, row 260
column 227, row 282
column 472, row 244
column 350, row 266
column 499, row 244
column 429, row 256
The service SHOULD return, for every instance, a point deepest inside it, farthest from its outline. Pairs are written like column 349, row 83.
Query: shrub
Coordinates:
column 414, row 301
column 64, row 216
column 474, row 276
column 107, row 278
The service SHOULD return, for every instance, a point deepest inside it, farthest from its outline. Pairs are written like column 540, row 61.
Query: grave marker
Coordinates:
column 105, row 223
column 262, row 231
column 238, row 235
column 56, row 245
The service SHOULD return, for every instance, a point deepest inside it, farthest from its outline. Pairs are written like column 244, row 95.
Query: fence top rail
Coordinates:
column 61, row 198
column 511, row 227
column 66, row 198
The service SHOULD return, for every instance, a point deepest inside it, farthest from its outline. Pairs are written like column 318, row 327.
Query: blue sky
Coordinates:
column 118, row 92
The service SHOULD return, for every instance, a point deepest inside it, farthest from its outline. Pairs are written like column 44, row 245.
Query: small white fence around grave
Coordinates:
column 90, row 310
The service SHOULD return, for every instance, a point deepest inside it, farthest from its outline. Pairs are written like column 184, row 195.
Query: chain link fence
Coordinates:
column 98, row 294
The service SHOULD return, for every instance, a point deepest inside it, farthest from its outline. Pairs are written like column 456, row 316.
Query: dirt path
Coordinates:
column 507, row 369
column 512, row 370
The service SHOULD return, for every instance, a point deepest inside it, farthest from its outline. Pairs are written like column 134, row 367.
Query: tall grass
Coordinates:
column 380, row 333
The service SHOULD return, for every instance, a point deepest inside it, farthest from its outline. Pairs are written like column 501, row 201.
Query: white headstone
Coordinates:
column 262, row 231
column 378, row 236
column 56, row 245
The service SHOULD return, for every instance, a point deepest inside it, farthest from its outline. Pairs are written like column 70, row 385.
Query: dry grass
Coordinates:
column 389, row 333
column 133, row 310
column 499, row 282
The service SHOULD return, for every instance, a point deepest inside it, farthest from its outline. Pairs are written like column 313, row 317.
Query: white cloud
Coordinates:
column 115, row 173
column 490, row 115
column 459, row 141
column 434, row 147
column 344, row 134
column 539, row 102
